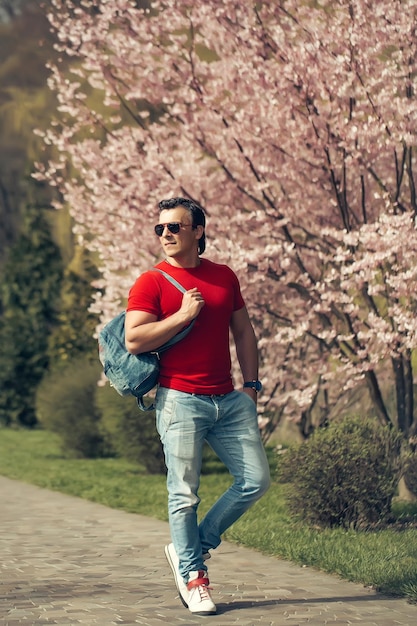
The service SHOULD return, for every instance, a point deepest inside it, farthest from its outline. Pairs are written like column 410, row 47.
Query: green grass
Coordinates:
column 386, row 559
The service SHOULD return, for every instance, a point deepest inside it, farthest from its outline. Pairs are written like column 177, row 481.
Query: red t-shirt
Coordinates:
column 199, row 363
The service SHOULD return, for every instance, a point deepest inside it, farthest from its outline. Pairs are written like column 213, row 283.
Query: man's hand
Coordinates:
column 251, row 393
column 144, row 332
column 192, row 303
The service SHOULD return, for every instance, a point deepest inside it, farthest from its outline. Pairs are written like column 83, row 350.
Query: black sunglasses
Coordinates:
column 173, row 227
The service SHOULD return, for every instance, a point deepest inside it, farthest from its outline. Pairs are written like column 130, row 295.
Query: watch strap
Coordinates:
column 253, row 384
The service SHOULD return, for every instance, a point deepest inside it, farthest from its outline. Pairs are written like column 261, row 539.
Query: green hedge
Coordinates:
column 65, row 404
column 94, row 421
column 344, row 475
column 129, row 431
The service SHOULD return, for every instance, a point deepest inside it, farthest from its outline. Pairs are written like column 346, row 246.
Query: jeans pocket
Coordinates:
column 248, row 399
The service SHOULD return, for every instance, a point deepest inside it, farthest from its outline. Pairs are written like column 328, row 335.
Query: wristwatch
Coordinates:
column 253, row 384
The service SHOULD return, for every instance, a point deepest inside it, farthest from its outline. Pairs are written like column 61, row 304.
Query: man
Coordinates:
column 196, row 400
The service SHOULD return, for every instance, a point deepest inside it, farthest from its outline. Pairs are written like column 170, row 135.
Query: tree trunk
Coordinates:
column 403, row 375
column 377, row 399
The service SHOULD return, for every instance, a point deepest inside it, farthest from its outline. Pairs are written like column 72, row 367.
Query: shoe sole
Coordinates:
column 174, row 571
column 203, row 613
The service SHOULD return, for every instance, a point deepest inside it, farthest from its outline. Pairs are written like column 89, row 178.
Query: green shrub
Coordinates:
column 131, row 433
column 95, row 421
column 65, row 405
column 344, row 475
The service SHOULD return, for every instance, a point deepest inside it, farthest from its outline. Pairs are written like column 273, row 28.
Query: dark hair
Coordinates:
column 197, row 215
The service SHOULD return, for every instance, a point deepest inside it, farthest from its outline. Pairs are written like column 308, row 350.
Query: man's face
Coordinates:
column 185, row 242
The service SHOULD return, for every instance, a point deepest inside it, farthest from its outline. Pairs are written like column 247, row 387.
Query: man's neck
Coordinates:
column 183, row 263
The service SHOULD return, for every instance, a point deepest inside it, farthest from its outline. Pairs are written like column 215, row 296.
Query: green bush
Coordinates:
column 94, row 421
column 130, row 432
column 344, row 475
column 65, row 404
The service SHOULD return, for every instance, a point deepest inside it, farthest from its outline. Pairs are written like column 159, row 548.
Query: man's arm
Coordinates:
column 246, row 347
column 143, row 332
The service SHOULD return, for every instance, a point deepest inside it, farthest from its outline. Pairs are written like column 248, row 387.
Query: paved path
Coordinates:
column 65, row 560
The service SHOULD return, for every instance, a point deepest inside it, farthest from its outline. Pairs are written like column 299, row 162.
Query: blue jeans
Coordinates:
column 229, row 424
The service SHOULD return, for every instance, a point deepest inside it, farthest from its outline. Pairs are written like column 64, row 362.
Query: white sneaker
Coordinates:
column 173, row 561
column 199, row 598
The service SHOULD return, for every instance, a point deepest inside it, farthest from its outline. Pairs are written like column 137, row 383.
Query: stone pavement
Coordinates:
column 64, row 560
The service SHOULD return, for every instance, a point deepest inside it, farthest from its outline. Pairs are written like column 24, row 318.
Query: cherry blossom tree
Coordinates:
column 294, row 125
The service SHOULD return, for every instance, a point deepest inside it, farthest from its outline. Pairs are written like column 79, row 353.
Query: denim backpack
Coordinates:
column 132, row 374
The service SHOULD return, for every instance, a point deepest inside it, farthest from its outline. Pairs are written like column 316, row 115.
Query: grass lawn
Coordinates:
column 385, row 559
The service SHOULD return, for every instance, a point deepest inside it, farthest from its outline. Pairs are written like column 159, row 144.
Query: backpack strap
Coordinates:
column 171, row 279
column 176, row 338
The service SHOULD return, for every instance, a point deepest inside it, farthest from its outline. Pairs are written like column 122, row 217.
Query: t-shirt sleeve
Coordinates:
column 238, row 302
column 145, row 295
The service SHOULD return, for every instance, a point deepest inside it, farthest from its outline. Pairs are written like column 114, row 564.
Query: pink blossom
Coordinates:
column 294, row 129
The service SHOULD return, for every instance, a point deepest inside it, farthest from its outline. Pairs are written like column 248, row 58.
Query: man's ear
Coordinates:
column 199, row 231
